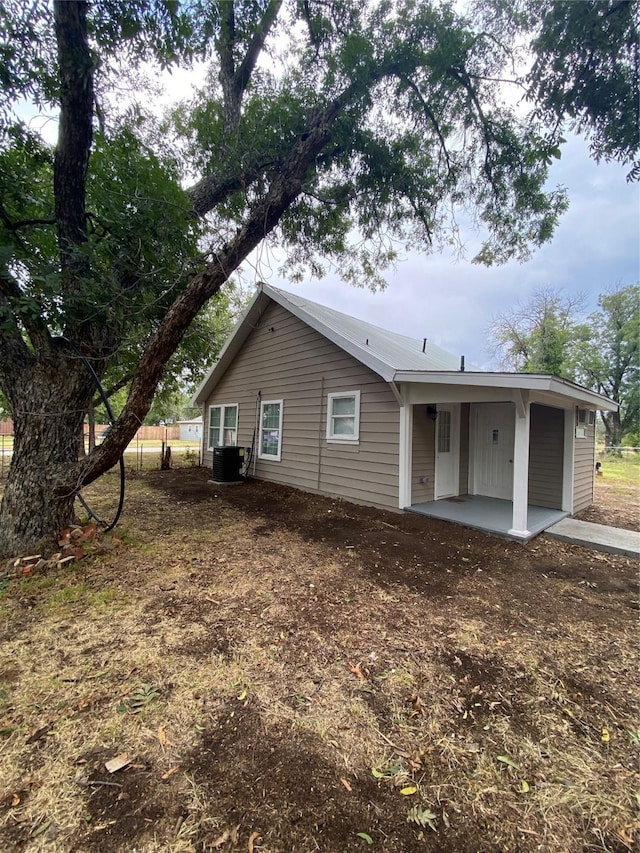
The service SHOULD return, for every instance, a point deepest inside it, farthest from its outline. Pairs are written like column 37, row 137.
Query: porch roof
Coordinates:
column 545, row 387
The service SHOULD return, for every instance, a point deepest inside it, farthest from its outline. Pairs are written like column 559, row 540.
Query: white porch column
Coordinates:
column 404, row 461
column 521, row 465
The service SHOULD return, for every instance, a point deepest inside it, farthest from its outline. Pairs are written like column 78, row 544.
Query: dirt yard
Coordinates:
column 277, row 672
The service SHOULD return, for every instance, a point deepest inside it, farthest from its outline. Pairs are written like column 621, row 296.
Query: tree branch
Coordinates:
column 429, row 114
column 262, row 219
column 15, row 353
column 74, row 134
column 234, row 81
column 243, row 75
column 35, row 326
column 210, row 191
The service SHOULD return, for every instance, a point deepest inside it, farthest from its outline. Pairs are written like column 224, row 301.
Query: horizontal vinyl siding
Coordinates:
column 286, row 360
column 546, row 455
column 583, row 469
column 423, row 456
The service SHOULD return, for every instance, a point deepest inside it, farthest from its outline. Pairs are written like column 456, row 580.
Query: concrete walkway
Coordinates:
column 600, row 537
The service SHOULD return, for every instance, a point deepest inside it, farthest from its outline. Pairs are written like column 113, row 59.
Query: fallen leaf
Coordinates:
column 628, row 833
column 506, row 760
column 408, row 790
column 169, row 773
column 605, row 737
column 243, row 696
column 15, row 800
column 365, row 837
column 221, row 839
column 117, row 763
column 355, row 669
column 252, row 840
column 89, row 532
column 418, row 709
column 524, row 786
column 346, row 783
column 162, row 737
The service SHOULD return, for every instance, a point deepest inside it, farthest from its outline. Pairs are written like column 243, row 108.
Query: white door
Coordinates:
column 493, row 463
column 447, row 451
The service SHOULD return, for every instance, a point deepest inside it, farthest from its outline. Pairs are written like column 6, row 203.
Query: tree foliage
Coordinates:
column 534, row 336
column 341, row 131
column 606, row 358
column 550, row 334
column 585, row 70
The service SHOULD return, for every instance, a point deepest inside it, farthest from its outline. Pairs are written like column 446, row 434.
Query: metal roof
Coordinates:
column 397, row 352
column 395, row 358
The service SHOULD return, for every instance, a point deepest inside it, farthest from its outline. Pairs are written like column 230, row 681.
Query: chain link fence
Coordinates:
column 143, row 454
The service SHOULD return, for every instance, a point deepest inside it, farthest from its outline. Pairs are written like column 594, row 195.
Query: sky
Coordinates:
column 451, row 301
column 596, row 247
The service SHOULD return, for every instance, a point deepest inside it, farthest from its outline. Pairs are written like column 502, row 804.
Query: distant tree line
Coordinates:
column 550, row 334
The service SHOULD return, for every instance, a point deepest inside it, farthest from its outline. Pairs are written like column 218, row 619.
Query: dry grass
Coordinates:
column 250, row 668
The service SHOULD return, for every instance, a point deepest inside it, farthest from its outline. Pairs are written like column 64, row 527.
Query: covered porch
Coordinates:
column 493, row 515
column 511, row 454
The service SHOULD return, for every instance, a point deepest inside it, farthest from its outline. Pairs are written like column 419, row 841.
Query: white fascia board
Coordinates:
column 522, row 381
column 356, row 350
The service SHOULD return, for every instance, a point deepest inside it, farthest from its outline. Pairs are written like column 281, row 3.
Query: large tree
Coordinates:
column 607, row 358
column 534, row 336
column 339, row 129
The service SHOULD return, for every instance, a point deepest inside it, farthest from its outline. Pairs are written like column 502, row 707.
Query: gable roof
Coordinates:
column 377, row 348
column 394, row 357
column 382, row 351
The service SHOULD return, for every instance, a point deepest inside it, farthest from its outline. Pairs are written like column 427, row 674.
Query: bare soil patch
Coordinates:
column 285, row 673
column 617, row 502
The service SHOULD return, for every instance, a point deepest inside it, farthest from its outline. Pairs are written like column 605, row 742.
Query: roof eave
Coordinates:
column 523, row 381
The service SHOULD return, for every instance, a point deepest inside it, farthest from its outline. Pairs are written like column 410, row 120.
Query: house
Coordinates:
column 337, row 406
column 191, row 430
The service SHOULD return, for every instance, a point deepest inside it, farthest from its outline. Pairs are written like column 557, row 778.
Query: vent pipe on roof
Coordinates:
column 424, row 345
column 461, row 364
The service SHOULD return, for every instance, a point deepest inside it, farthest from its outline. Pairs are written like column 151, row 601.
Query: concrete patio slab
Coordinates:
column 492, row 515
column 600, row 537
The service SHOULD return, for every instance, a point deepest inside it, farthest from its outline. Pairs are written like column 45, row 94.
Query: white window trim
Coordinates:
column 222, row 407
column 270, row 456
column 338, row 438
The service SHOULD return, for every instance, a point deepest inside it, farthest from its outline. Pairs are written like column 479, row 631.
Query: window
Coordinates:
column 343, row 417
column 223, row 425
column 444, row 431
column 270, row 430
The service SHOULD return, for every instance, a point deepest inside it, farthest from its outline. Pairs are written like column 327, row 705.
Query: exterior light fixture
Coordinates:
column 432, row 413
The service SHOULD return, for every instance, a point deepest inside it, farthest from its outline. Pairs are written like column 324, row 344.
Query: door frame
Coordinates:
column 454, row 408
column 474, row 467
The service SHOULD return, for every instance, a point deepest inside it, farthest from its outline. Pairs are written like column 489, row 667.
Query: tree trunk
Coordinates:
column 612, row 429
column 47, row 429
